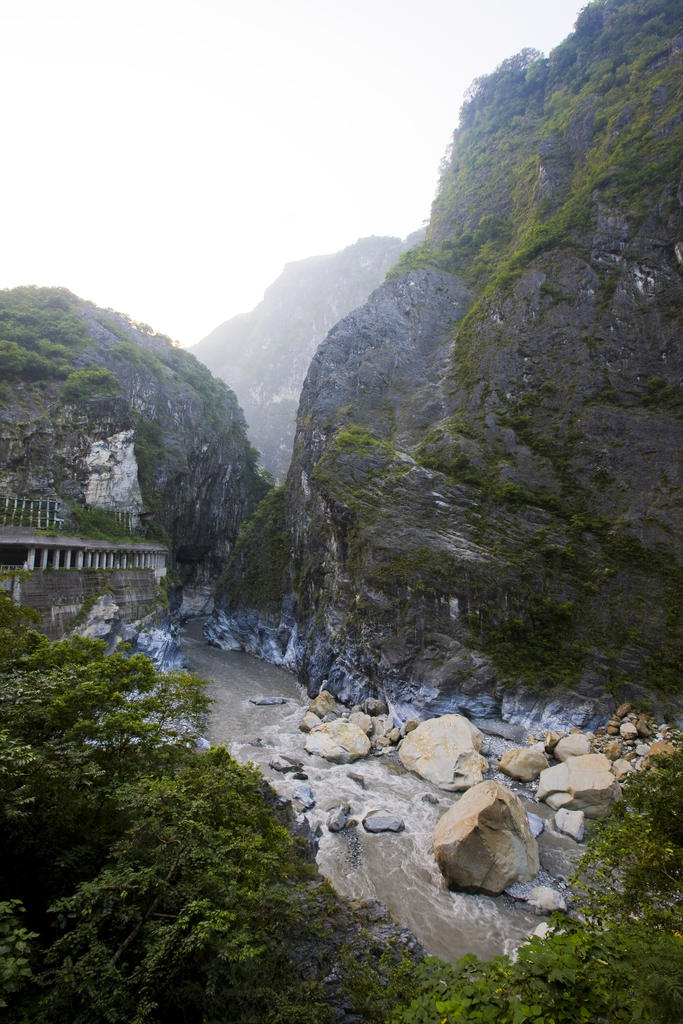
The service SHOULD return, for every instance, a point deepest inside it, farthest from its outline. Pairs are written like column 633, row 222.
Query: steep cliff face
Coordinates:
column 485, row 508
column 125, row 428
column 265, row 354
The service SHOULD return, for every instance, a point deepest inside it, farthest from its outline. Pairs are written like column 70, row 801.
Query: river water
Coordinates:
column 398, row 868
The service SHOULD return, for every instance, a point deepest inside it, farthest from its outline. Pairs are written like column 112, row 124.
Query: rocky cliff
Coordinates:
column 264, row 355
column 483, row 507
column 129, row 431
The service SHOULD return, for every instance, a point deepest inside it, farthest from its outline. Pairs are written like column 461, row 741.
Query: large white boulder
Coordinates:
column 362, row 720
column 323, row 704
column 483, row 843
column 523, row 763
column 309, row 721
column 583, row 783
column 445, row 751
column 575, row 745
column 340, row 742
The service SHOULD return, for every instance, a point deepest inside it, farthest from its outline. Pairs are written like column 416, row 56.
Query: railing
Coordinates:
column 41, row 513
column 126, row 518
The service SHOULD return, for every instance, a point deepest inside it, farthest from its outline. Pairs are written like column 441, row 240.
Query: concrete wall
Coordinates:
column 59, row 594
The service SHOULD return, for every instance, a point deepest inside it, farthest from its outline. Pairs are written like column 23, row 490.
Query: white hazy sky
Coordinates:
column 167, row 157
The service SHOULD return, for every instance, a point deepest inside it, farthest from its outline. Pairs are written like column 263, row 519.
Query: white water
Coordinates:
column 397, row 868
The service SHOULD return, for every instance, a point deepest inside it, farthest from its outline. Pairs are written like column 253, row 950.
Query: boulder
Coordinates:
column 545, row 900
column 468, row 770
column 309, row 721
column 337, row 819
column 383, row 821
column 411, row 725
column 433, row 749
column 612, row 751
column 340, row 742
column 628, row 730
column 304, row 794
column 550, row 740
column 374, row 707
column 536, row 824
column 267, row 701
column 623, row 710
column 278, row 764
column 643, row 749
column 661, row 747
column 323, row 704
column 571, row 823
column 362, row 720
column 580, row 784
column 574, row 745
column 483, row 843
column 523, row 764
column 394, row 735
column 621, row 769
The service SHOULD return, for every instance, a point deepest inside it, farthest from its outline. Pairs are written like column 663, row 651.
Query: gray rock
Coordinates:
column 266, row 701
column 571, row 823
column 546, row 900
column 383, row 821
column 279, row 764
column 429, row 798
column 360, row 779
column 374, row 707
column 304, row 794
column 536, row 824
column 337, row 820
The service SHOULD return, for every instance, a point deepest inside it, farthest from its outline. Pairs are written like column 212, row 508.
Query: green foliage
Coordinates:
column 97, row 524
column 488, row 220
column 257, row 574
column 15, row 949
column 40, row 333
column 541, row 647
column 156, row 881
column 573, row 975
column 150, row 454
column 634, row 862
column 93, row 382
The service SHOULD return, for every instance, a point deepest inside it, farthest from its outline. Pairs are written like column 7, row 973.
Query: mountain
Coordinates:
column 265, row 354
column 483, row 510
column 125, row 429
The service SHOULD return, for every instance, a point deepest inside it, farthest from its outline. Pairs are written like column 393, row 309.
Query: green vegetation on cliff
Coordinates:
column 40, row 333
column 258, row 570
column 603, row 112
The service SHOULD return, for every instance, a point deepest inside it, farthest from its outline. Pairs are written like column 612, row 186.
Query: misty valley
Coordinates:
column 342, row 653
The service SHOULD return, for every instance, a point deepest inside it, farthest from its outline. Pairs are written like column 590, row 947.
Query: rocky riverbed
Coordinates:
column 257, row 712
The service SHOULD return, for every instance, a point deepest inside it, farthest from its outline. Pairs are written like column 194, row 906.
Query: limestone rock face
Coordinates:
column 523, row 765
column 575, row 745
column 583, row 783
column 401, row 432
column 435, row 748
column 340, row 742
column 483, row 843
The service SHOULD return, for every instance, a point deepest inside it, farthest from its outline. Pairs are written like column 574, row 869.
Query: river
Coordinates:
column 397, row 868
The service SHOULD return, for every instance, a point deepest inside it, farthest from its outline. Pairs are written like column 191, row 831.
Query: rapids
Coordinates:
column 399, row 869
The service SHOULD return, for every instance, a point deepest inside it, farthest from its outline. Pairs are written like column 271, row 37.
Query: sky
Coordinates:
column 166, row 158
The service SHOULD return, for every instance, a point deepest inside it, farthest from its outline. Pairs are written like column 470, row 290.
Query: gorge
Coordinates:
column 434, row 705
